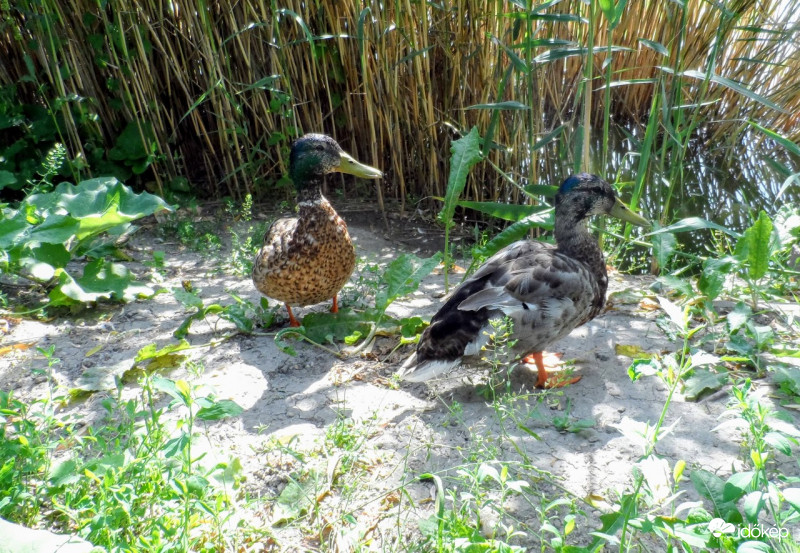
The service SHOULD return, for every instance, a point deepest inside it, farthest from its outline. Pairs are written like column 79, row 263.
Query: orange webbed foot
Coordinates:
column 544, row 379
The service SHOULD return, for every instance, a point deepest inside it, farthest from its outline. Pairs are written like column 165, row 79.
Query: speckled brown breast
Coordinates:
column 305, row 260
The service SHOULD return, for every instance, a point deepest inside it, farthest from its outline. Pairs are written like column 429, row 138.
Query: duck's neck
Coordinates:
column 574, row 240
column 311, row 191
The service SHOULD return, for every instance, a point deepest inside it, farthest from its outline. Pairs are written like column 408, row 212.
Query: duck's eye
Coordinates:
column 319, row 147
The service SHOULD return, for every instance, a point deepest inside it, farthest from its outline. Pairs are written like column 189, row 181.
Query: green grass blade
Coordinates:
column 733, row 85
column 511, row 104
column 783, row 141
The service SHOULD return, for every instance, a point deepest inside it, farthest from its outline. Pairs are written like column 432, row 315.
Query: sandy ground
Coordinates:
column 410, row 429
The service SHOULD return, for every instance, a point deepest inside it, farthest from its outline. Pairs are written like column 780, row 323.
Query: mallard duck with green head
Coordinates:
column 307, row 259
column 547, row 290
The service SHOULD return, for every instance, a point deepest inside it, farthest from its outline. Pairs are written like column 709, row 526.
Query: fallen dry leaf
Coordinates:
column 21, row 345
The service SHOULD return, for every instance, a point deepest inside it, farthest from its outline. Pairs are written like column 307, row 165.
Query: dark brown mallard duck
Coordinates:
column 547, row 290
column 307, row 259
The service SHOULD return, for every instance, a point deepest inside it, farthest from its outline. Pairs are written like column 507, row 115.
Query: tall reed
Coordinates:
column 225, row 86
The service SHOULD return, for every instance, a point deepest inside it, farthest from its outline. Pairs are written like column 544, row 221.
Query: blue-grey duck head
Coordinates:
column 583, row 195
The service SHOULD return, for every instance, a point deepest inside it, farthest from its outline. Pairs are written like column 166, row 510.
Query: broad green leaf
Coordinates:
column 134, row 143
column 737, row 318
column 679, row 316
column 779, row 442
column 101, row 280
column 754, row 547
column 541, row 190
column 633, row 351
column 403, row 276
column 752, row 505
column 56, row 229
column 411, row 326
column 295, row 499
column 55, row 255
column 787, row 221
column 65, row 472
column 612, row 523
column 680, row 285
column 505, row 211
column 465, row 152
column 712, row 487
column 757, row 241
column 515, row 232
column 792, row 496
column 13, row 225
column 701, row 358
column 612, row 11
column 715, row 272
column 663, row 247
column 737, row 485
column 608, row 9
column 326, row 327
column 643, row 367
column 485, row 471
column 68, row 291
column 183, row 328
column 219, row 410
column 693, row 223
column 151, row 351
column 102, row 377
column 701, row 382
column 761, row 334
column 42, row 235
column 178, row 389
column 37, row 270
column 237, row 313
column 188, row 299
column 7, row 178
column 788, row 378
column 174, row 447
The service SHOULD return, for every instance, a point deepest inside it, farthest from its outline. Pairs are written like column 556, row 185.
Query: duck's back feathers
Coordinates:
column 544, row 292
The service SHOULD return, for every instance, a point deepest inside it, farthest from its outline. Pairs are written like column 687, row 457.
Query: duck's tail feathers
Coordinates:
column 410, row 371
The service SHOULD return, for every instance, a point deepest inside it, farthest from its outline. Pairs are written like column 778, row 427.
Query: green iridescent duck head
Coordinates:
column 315, row 155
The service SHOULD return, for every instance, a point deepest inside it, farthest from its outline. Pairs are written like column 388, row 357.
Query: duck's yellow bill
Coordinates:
column 622, row 211
column 348, row 164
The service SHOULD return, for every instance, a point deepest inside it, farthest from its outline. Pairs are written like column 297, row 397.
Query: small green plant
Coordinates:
column 456, row 524
column 135, row 481
column 244, row 314
column 243, row 250
column 498, row 354
column 401, row 277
